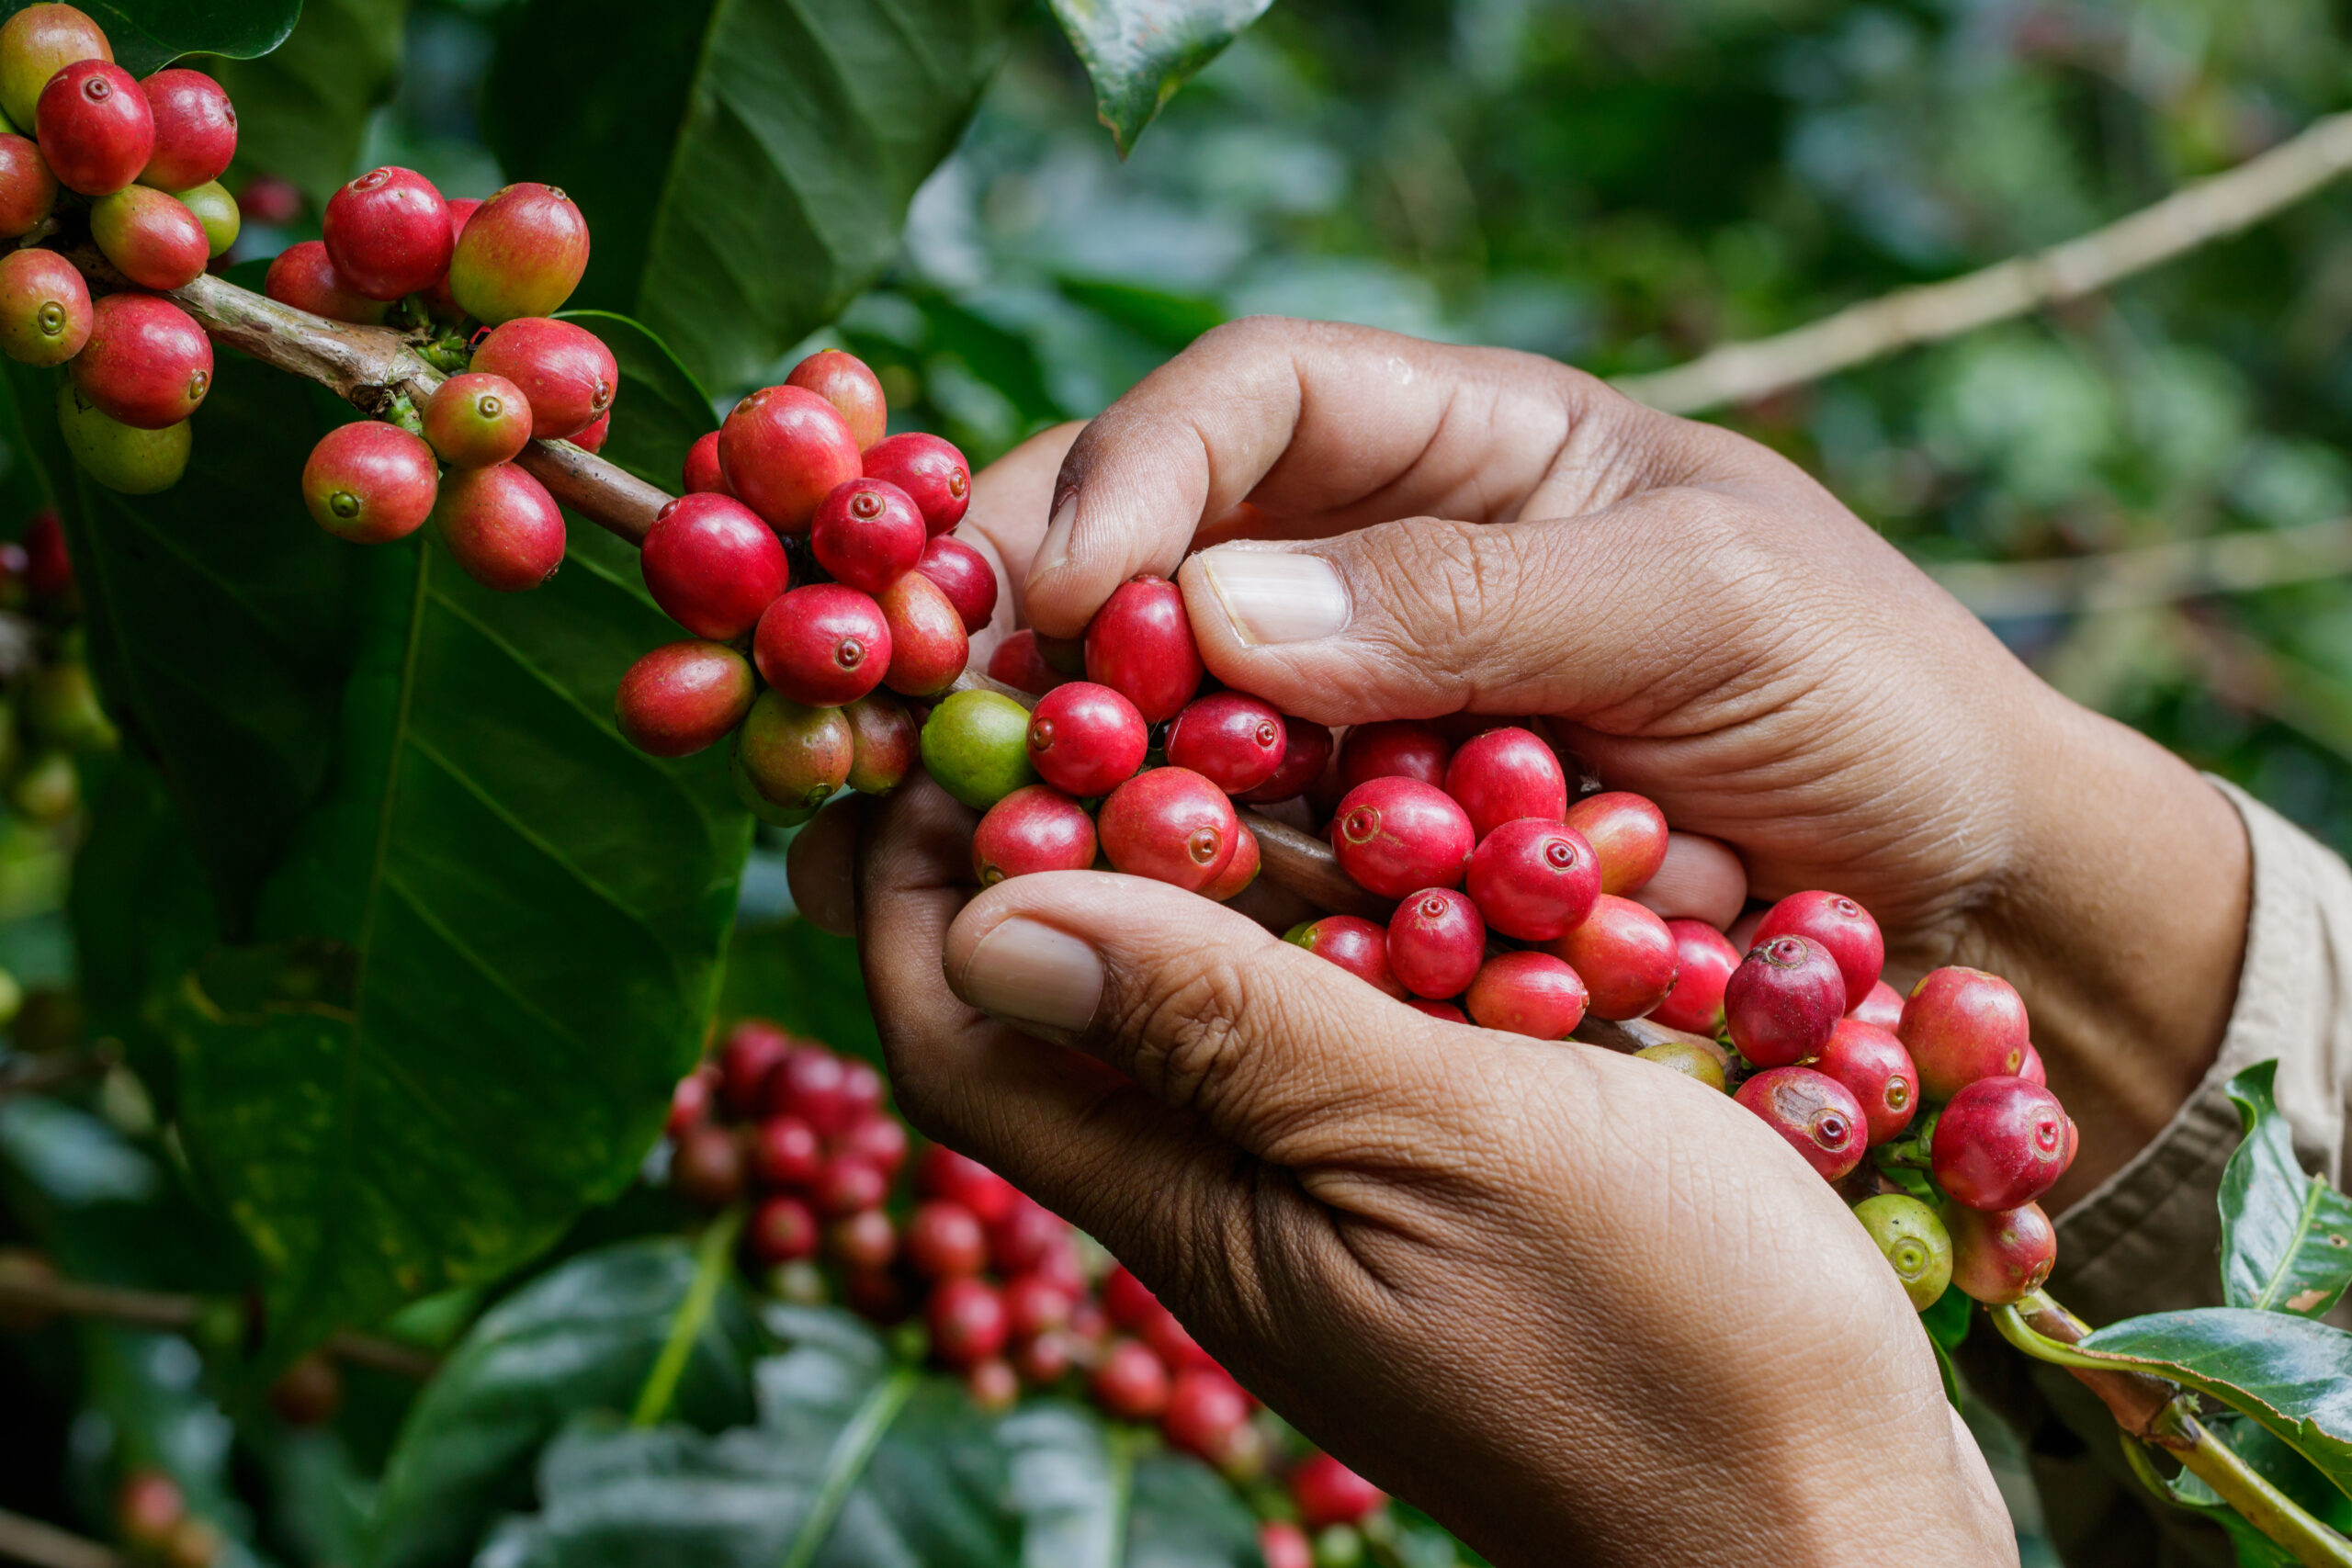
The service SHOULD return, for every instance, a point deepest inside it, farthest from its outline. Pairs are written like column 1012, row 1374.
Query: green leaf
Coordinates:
column 2286, row 1236
column 580, row 1338
column 660, row 411
column 149, row 34
column 1182, row 1513
column 1138, row 52
column 302, row 110
column 141, row 912
column 1946, row 1322
column 745, row 167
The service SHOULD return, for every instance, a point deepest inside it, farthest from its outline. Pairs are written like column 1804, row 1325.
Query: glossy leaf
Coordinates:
column 659, row 410
column 148, row 34
column 1138, row 52
column 302, row 110
column 2286, row 1236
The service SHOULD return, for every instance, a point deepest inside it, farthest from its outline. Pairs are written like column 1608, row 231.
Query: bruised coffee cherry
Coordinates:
column 702, row 475
column 1532, row 994
column 1705, row 960
column 1354, row 944
column 928, row 646
column 370, row 482
column 387, row 234
column 150, row 236
column 1843, row 928
column 1872, row 1063
column 1628, row 831
column 1307, row 752
column 478, row 419
column 1086, row 738
column 1394, row 835
column 783, row 450
column 965, row 576
column 1170, row 825
column 35, row 45
column 1532, row 879
column 683, row 698
column 520, row 254
column 714, row 568
column 867, row 534
column 974, row 746
column 45, row 309
column 1233, row 739
column 195, row 130
column 94, row 127
column 1140, row 645
column 1625, row 954
column 1504, row 774
column 1913, row 1241
column 2002, row 1257
column 1961, row 1025
column 1783, row 1001
column 790, row 756
column 885, row 743
column 567, row 374
column 1394, row 748
column 303, row 276
column 1701, row 1060
column 928, row 469
column 28, row 190
column 122, row 457
column 1436, row 944
column 146, row 363
column 2000, row 1143
column 501, row 526
column 1035, row 828
column 846, row 382
column 822, row 645
column 1816, row 1114
column 215, row 213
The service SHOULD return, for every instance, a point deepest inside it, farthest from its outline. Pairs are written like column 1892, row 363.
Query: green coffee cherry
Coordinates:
column 1913, row 1241
column 217, row 210
column 136, row 462
column 789, row 759
column 975, row 744
column 1699, row 1060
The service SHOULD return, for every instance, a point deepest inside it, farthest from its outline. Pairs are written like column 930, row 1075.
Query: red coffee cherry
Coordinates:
column 147, row 363
column 992, row 1384
column 880, row 1141
column 1871, row 1062
column 2031, row 1069
column 2000, row 1257
column 1127, row 1300
column 822, row 645
column 501, row 526
column 45, row 309
column 1704, row 963
column 928, row 647
column 929, row 470
column 1239, row 872
column 1016, row 663
column 567, row 374
column 1231, row 739
column 782, row 1229
column 49, row 570
column 195, row 130
column 28, row 190
column 1628, row 831
column 845, row 1186
column 1037, row 828
column 1436, row 944
column 714, row 568
column 867, row 534
column 966, row 1321
column 945, row 1241
column 1086, row 738
column 844, row 381
column 1883, row 1007
column 1504, row 774
column 1140, row 645
column 1528, row 993
column 1445, row 1010
column 479, row 419
column 1170, row 825
column 150, row 237
column 1395, row 748
column 1817, row 1115
column 862, row 1240
column 752, row 1051
column 302, row 275
column 1624, row 954
column 438, row 301
column 1207, row 1412
column 1022, row 1242
column 784, row 1153
column 520, row 254
column 813, row 1084
column 1533, row 879
column 783, row 450
column 93, row 126
column 1354, row 944
column 593, row 438
column 370, row 482
column 1999, row 1143
column 683, row 698
column 1394, row 835
column 689, row 1103
column 1129, row 1382
column 703, row 475
column 863, row 1092
column 1961, row 1025
column 706, row 1167
column 1283, row 1545
column 387, row 234
column 149, row 1504
column 959, row 1178
column 964, row 575
column 1307, row 752
column 307, row 1393
column 1841, row 927
column 789, row 757
column 1035, row 1304
column 37, row 42
column 1327, row 1493
column 885, row 743
column 1782, row 1001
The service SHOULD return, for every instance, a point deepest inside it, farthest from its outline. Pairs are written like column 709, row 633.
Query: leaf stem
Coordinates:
column 852, row 1451
column 714, row 1255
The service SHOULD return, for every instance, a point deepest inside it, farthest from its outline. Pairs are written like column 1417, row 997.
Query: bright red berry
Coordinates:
column 880, row 1141
column 1883, row 1007
column 370, row 482
column 1140, row 645
column 1231, row 739
column 714, row 566
column 1394, row 835
column 1504, row 774
column 960, row 1179
column 846, row 1185
column 1626, row 955
column 195, row 130
column 1436, row 942
column 150, row 236
column 45, row 309
column 438, row 301
column 751, row 1050
column 783, row 450
column 2031, row 1070
column 593, row 438
column 822, row 645
column 1528, row 993
column 689, row 1103
column 28, row 190
column 302, row 275
column 927, row 468
column 520, row 254
column 1016, row 663
column 1327, row 1493
column 1206, row 1411
column 1086, row 738
column 927, row 644
column 1704, row 963
column 965, row 576
column 945, row 1240
column 1840, row 926
column 1396, row 748
column 1170, row 825
column 1128, row 1381
column 1533, row 879
column 147, row 363
column 1035, row 828
column 812, row 1083
column 1354, row 944
column 93, row 126
column 1818, row 1116
column 967, row 1323
column 1961, row 1025
column 387, row 234
column 703, row 475
column 1999, row 1143
column 867, row 534
column 1872, row 1063
column 2003, row 1257
column 1628, row 831
column 782, row 1229
column 1035, row 1304
column 1307, row 752
column 846, row 382
column 1025, row 1237
column 501, row 526
column 784, row 1153
column 567, row 374
column 1782, row 1001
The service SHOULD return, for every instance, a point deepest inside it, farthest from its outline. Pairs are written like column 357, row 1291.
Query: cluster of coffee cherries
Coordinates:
column 133, row 167
column 818, row 541
column 1007, row 1295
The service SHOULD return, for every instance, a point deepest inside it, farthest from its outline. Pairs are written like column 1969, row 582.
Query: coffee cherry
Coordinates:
column 844, row 381
column 1445, row 1010
column 147, row 363
column 703, row 475
column 784, row 1153
column 501, row 526
column 993, row 1385
column 195, row 130
column 1015, row 663
column 1129, row 1381
column 867, row 534
column 966, row 1321
column 1206, row 1416
column 35, row 45
column 1872, row 1063
column 45, row 310
column 1396, row 748
column 1327, row 1493
column 1999, row 1143
column 150, row 236
column 1285, row 1545
column 2001, row 1257
column 120, row 456
column 754, row 1049
column 1628, row 831
column 782, row 1229
column 1231, row 739
column 370, row 482
column 964, row 575
column 1355, row 945
column 1239, row 872
column 683, row 698
column 1170, row 825
column 1037, row 828
column 1035, row 1304
column 1127, row 1300
column 845, row 1187
column 1843, row 928
column 689, row 1103
column 1394, row 835
column 1625, row 954
column 1307, row 752
column 1883, row 1007
column 1140, row 645
column 441, row 304
column 593, row 438
column 215, row 213
column 1961, row 1025
column 1817, row 1115
column 567, row 374
column 195, row 1542
column 1704, row 963
column 1533, row 879
column 706, row 1167
column 863, row 1090
column 783, row 450
column 28, row 190
column 1701, row 1060
column 714, row 568
column 884, row 743
column 1086, row 738
column 94, row 127
column 864, row 1238
column 2031, row 1070
column 959, row 1178
column 479, row 419
column 1504, row 774
column 1782, row 1001
column 929, row 470
column 1022, row 1242
column 945, row 1241
column 308, row 1392
column 302, row 275
column 387, row 234
column 975, row 747
column 1528, row 993
column 49, row 570
column 927, row 645
column 521, row 253
column 1064, row 655
column 793, row 756
column 879, row 1140
column 149, row 1504
column 1913, row 1241
column 1436, row 944
column 813, row 1084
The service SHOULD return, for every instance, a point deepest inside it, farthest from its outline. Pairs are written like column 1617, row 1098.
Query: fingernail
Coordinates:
column 1055, row 547
column 1276, row 596
column 1029, row 972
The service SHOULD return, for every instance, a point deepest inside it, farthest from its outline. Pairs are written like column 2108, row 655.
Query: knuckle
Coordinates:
column 1192, row 1033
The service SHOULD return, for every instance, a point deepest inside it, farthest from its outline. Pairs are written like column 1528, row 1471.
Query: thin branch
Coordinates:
column 2239, row 562
column 36, row 1075
column 23, row 1294
column 2190, row 216
column 41, row 1545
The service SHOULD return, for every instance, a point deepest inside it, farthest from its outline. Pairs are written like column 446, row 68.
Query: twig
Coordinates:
column 2208, row 209
column 2238, row 562
column 45, row 1546
column 35, row 1296
column 33, row 1074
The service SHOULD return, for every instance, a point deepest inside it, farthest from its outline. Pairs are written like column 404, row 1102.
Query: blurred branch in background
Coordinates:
column 2247, row 671
column 34, row 1075
column 2152, row 574
column 46, row 1546
column 36, row 1297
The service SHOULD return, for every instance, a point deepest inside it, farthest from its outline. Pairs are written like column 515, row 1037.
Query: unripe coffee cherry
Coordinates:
column 1035, row 828
column 1883, row 1007
column 1129, row 1381
column 1392, row 836
column 1815, row 1113
column 122, row 457
column 945, row 1240
column 1393, row 748
column 1354, row 944
column 702, row 475
column 1961, row 1025
column 1327, row 1493
column 195, row 130
column 867, row 534
column 887, row 743
column 966, row 1321
column 35, row 45
column 783, row 450
column 822, row 645
column 1842, row 927
column 152, row 238
column 28, row 190
column 520, row 254
column 1628, row 831
column 846, row 382
column 1782, row 1001
column 1016, row 663
column 387, row 234
column 928, row 648
column 1436, row 942
column 791, row 757
column 1913, row 1241
column 1872, row 1063
column 1140, row 645
column 1086, row 738
column 928, row 469
column 216, row 211
column 1231, row 739
column 1504, row 774
column 1701, row 1060
column 370, row 482
column 714, row 568
column 94, row 127
column 1704, row 963
column 1532, row 994
column 974, row 746
column 1625, row 954
column 45, row 310
column 684, row 697
column 964, row 575
column 501, row 526
column 1170, row 825
column 1533, row 879
column 1999, row 1143
column 146, row 363
column 302, row 275
column 478, row 419
column 1307, row 752
column 2001, row 1257
column 567, row 374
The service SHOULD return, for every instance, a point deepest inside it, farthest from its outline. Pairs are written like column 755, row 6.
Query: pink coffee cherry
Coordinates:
column 1396, row 835
column 1533, row 879
column 1354, row 944
column 1037, row 828
column 965, row 576
column 1871, row 1062
column 1327, row 1493
column 1532, row 994
column 1140, row 645
column 1231, row 739
column 823, row 645
column 928, row 469
column 1241, row 871
column 1307, row 752
column 1782, row 1001
column 1445, row 1010
column 684, row 697
column 2000, row 1257
column 713, row 566
column 1626, row 955
column 1961, row 1025
column 782, row 450
column 848, row 384
column 1628, row 831
column 1170, row 825
column 703, row 475
column 2031, row 1069
column 1086, row 738
column 1818, row 1116
column 1883, row 1007
column 1504, row 774
column 1839, row 925
column 195, row 130
column 387, row 234
column 1436, row 942
column 96, row 128
column 867, row 534
column 1395, row 748
column 2000, row 1142
column 1704, row 963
